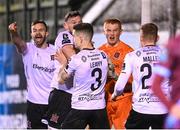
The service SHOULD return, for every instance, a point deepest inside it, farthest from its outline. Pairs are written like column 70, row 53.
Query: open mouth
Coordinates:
column 112, row 38
column 38, row 38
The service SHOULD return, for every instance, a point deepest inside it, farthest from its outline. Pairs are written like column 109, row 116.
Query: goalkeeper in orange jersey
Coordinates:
column 116, row 49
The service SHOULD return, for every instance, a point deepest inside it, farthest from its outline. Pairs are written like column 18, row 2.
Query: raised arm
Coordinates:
column 16, row 39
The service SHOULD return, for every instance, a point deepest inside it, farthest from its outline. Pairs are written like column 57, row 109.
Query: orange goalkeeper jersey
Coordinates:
column 117, row 54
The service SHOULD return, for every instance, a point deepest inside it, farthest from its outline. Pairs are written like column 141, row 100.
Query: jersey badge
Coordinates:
column 138, row 53
column 65, row 39
column 83, row 58
column 116, row 55
column 103, row 55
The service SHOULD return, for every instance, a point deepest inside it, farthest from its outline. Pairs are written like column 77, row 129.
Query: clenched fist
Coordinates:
column 13, row 27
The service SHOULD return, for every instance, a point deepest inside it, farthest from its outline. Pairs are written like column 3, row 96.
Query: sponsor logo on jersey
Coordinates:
column 89, row 97
column 65, row 39
column 49, row 70
column 148, row 98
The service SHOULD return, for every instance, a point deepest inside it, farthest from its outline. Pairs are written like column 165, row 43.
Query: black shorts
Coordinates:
column 79, row 119
column 59, row 107
column 144, row 121
column 35, row 112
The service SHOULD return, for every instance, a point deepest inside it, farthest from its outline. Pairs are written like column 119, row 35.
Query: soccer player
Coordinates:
column 39, row 69
column 90, row 68
column 60, row 97
column 147, row 110
column 116, row 50
column 170, row 68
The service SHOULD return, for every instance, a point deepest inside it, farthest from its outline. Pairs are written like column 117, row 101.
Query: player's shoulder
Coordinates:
column 65, row 32
column 64, row 35
column 103, row 46
column 125, row 46
column 30, row 44
column 103, row 53
column 135, row 53
column 52, row 47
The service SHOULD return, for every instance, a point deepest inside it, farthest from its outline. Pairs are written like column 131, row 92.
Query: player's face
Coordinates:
column 39, row 34
column 71, row 22
column 112, row 32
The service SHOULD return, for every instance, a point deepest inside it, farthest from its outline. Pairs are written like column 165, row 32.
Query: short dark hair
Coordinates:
column 71, row 14
column 150, row 31
column 40, row 21
column 85, row 28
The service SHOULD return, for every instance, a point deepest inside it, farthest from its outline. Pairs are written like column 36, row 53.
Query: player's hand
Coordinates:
column 115, row 94
column 175, row 111
column 13, row 27
column 113, row 97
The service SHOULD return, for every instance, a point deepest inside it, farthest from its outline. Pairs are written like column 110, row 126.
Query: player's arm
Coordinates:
column 16, row 39
column 68, row 50
column 123, row 78
column 63, row 75
column 161, row 72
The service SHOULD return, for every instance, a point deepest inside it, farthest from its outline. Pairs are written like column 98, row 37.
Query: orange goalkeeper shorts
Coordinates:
column 118, row 110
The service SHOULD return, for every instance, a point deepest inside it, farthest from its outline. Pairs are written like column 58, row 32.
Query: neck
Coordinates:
column 149, row 44
column 42, row 46
column 87, row 45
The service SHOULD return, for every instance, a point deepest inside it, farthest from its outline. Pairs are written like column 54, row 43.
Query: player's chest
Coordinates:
column 116, row 54
column 41, row 58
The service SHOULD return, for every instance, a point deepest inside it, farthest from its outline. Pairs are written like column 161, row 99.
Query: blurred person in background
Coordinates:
column 147, row 110
column 169, row 68
column 38, row 59
column 116, row 50
column 60, row 97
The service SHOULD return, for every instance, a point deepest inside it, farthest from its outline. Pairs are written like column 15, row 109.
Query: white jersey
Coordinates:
column 89, row 68
column 63, row 38
column 140, row 64
column 39, row 69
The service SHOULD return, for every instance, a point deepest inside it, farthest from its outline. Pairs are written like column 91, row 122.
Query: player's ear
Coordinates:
column 121, row 30
column 47, row 33
column 31, row 34
column 157, row 38
column 65, row 25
